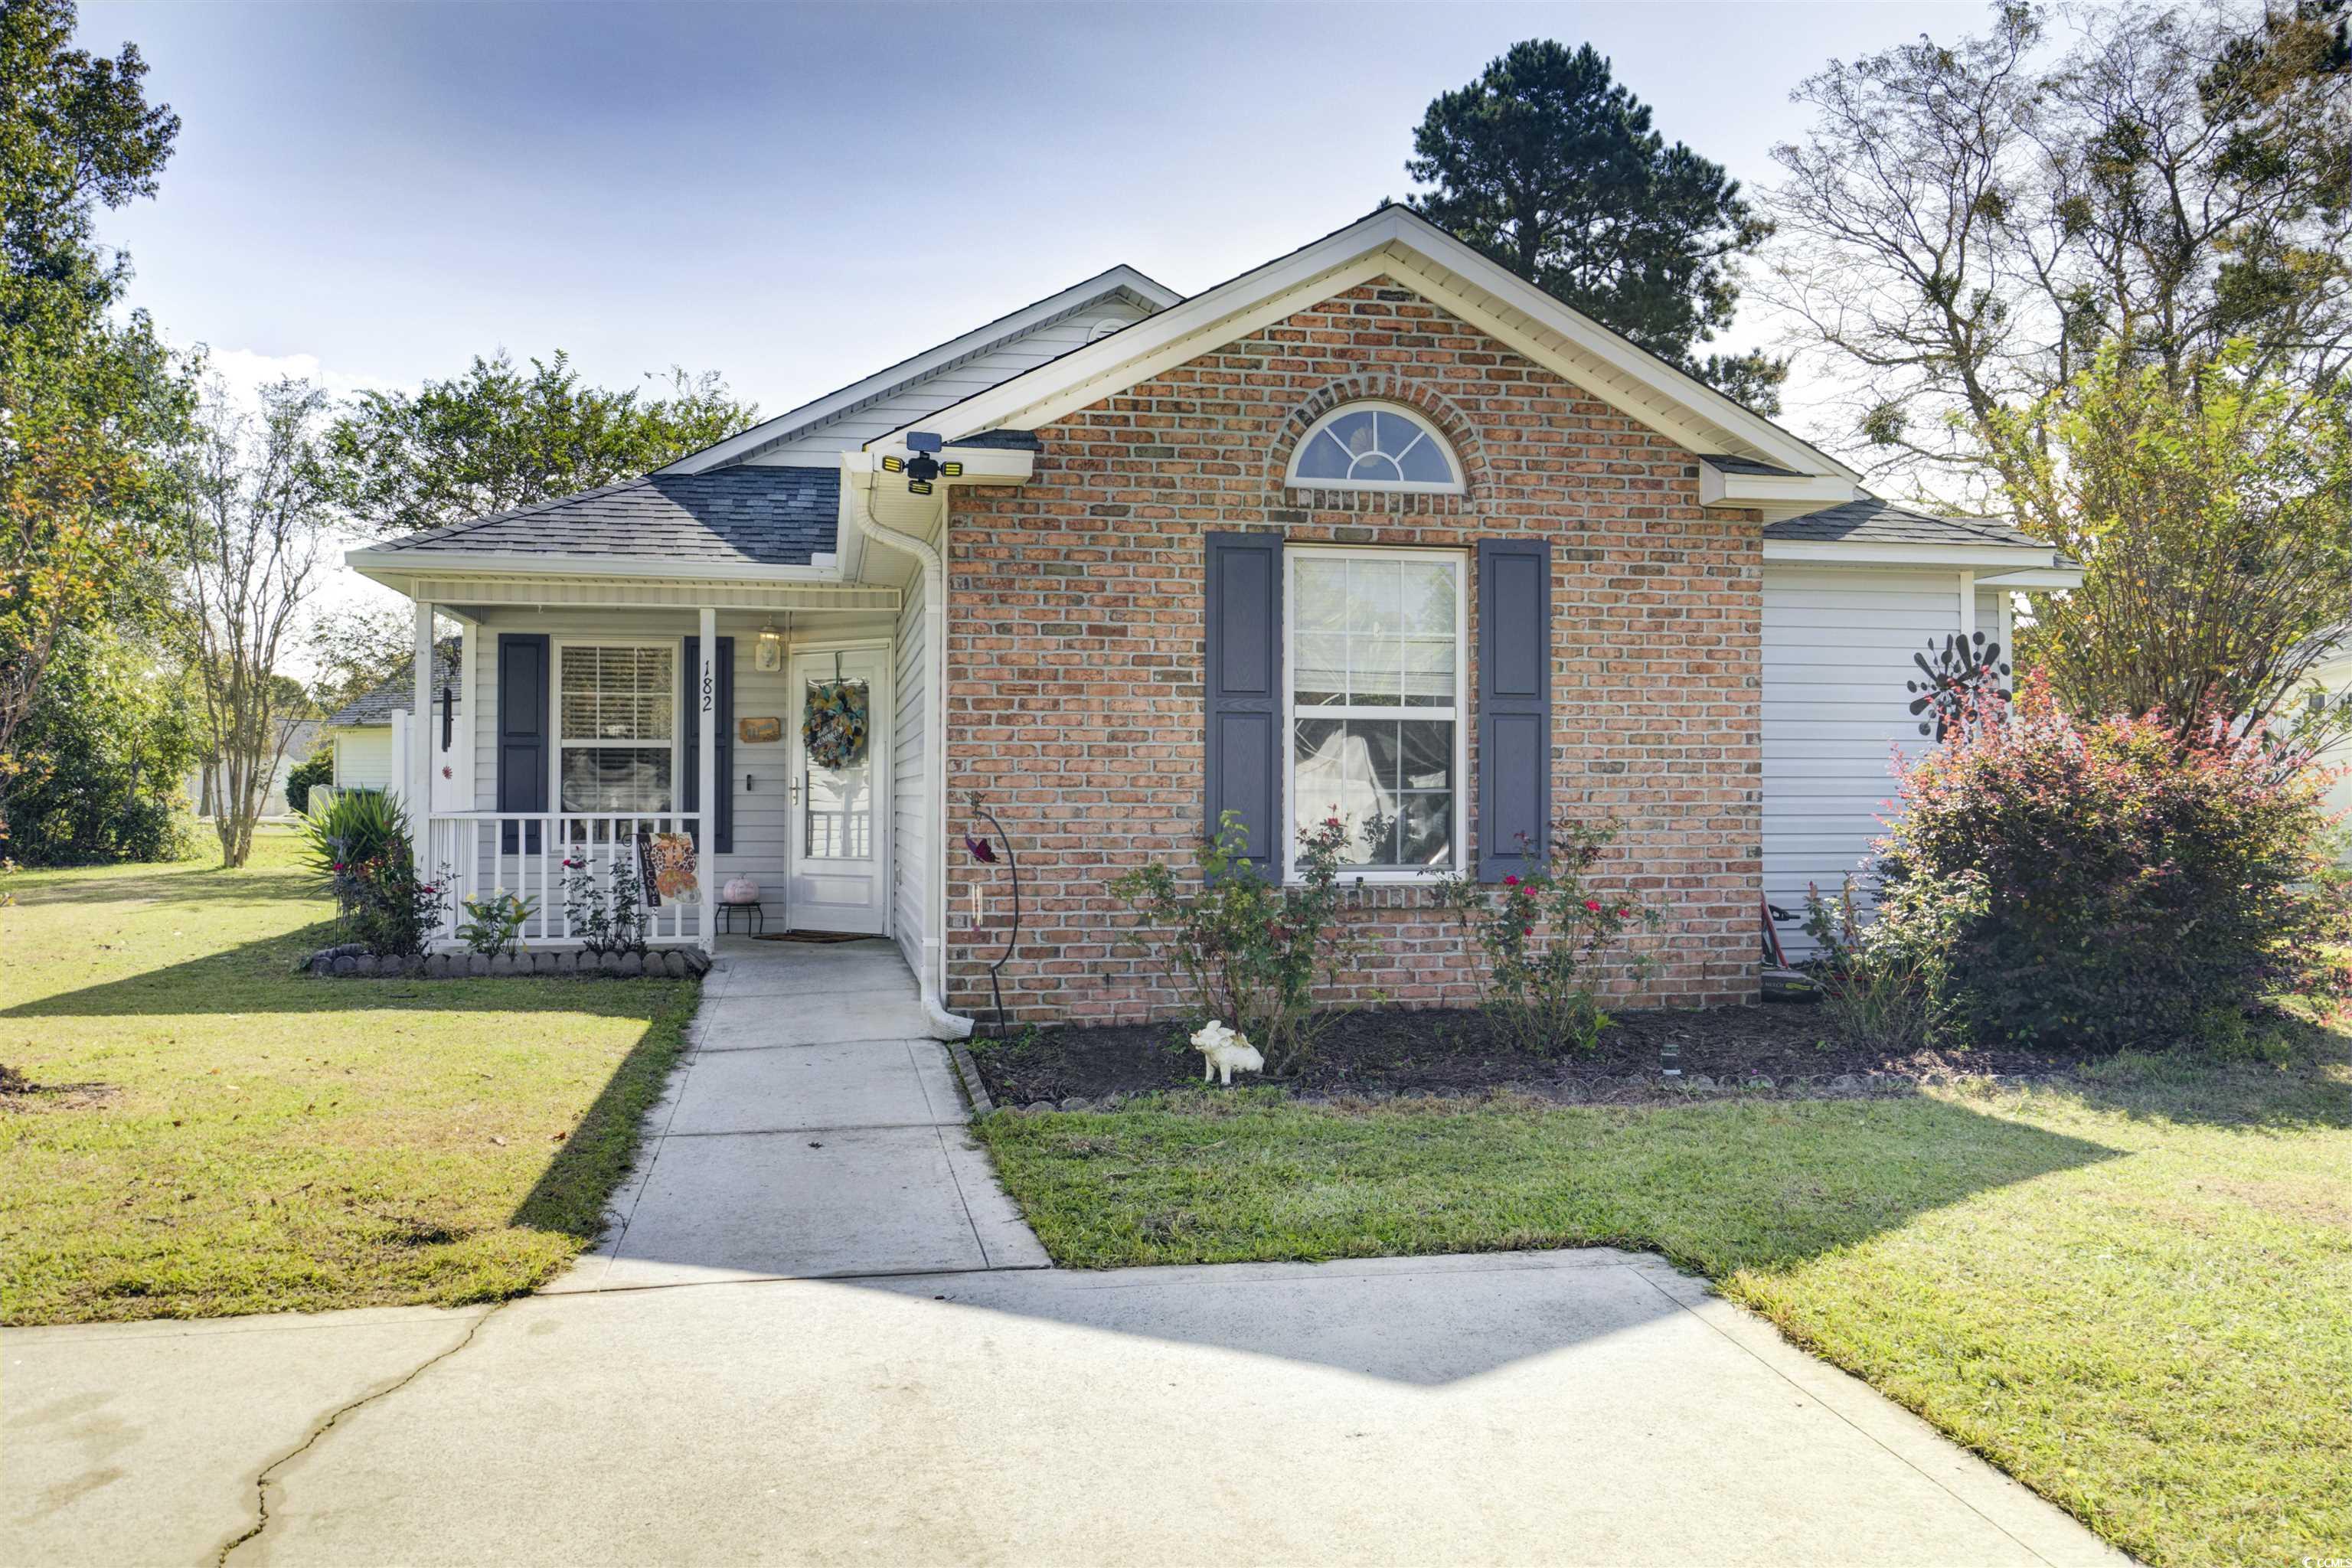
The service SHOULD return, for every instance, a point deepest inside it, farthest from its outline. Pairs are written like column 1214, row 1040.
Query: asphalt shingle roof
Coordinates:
column 1005, row 441
column 751, row 514
column 1725, row 463
column 394, row 696
column 1868, row 519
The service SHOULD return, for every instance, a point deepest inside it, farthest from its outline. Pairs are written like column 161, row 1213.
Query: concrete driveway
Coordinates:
column 818, row 1332
column 1572, row 1407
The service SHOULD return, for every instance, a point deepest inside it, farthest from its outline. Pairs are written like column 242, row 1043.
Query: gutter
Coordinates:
column 932, row 978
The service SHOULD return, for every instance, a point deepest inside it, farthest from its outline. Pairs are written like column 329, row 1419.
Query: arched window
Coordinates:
column 1374, row 447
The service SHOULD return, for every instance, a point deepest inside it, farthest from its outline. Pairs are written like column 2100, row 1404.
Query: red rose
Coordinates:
column 1593, row 905
column 1510, row 881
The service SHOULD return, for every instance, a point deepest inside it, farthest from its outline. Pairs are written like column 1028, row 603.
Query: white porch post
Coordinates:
column 419, row 779
column 706, row 717
column 1968, row 605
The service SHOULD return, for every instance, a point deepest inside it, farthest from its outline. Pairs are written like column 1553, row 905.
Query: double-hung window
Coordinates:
column 1374, row 644
column 616, row 706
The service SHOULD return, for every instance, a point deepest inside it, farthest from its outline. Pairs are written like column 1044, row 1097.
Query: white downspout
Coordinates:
column 932, row 979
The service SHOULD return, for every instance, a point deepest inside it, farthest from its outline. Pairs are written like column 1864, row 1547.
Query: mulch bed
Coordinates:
column 1781, row 1047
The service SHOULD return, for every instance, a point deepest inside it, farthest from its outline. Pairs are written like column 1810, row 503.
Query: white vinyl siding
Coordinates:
column 952, row 383
column 911, row 847
column 364, row 758
column 1837, row 649
column 760, row 774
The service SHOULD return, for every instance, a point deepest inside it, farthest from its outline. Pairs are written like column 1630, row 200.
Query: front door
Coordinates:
column 839, row 875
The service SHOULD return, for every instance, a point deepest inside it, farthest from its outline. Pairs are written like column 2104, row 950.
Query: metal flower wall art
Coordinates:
column 982, row 851
column 1954, row 675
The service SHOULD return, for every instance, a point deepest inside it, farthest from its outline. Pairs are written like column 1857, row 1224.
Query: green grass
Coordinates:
column 2136, row 1298
column 250, row 1139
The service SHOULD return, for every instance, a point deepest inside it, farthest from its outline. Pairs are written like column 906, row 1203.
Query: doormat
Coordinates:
column 812, row 936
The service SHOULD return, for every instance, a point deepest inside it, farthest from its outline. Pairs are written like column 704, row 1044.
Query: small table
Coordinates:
column 759, row 917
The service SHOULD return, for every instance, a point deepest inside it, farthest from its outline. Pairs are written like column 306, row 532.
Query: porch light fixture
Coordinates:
column 768, row 656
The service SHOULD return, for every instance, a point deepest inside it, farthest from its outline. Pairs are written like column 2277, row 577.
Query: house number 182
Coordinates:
column 709, row 686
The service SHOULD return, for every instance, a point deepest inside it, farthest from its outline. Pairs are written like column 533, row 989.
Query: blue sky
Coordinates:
column 796, row 196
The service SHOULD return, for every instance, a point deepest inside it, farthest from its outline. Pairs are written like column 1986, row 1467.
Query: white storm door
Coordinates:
column 838, row 878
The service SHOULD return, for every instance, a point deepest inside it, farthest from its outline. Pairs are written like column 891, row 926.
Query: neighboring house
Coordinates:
column 2335, row 677
column 211, row 777
column 1376, row 528
column 360, row 730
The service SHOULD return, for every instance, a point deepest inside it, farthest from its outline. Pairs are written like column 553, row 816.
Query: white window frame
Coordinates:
column 562, row 646
column 1459, row 560
column 1429, row 432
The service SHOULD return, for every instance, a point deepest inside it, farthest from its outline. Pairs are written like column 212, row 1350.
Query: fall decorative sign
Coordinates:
column 758, row 731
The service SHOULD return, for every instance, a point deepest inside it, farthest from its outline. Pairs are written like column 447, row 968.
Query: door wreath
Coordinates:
column 834, row 721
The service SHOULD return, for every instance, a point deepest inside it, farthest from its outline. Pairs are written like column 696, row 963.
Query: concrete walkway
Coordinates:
column 871, row 1365
column 816, row 1131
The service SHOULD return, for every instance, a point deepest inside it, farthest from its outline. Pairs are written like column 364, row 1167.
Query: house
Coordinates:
column 204, row 782
column 1376, row 529
column 360, row 730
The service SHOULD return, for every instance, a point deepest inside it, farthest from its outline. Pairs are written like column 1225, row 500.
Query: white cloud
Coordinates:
column 245, row 373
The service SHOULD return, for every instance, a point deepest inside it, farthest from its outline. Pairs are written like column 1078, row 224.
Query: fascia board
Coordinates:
column 379, row 564
column 1882, row 553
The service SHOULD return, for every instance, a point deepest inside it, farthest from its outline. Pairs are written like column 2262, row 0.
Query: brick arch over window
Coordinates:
column 1469, row 451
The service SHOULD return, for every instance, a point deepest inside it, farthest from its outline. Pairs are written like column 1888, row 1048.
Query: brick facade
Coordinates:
column 1075, row 641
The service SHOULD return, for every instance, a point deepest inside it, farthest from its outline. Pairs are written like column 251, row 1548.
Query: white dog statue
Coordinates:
column 1221, row 1050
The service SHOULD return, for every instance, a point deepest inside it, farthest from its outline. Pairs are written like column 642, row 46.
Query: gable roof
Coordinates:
column 1394, row 243
column 1118, row 283
column 760, row 516
column 1868, row 520
column 396, row 695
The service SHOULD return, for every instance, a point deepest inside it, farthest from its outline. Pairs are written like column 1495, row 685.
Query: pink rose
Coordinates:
column 1592, row 905
column 1510, row 881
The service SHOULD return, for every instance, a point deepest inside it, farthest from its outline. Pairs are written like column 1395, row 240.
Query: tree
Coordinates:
column 1966, row 225
column 498, row 437
column 89, row 406
column 114, row 732
column 1549, row 167
column 358, row 650
column 2213, row 520
column 258, row 516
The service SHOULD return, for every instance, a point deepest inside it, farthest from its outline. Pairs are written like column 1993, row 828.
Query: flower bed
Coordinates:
column 354, row 961
column 1785, row 1048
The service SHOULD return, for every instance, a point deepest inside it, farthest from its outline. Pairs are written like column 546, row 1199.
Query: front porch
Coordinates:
column 647, row 758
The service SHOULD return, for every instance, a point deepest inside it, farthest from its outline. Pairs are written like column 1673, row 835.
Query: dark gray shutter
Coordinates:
column 1514, row 705
column 1245, row 689
column 523, row 740
column 723, row 730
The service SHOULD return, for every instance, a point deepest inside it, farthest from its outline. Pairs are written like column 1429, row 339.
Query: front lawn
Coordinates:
column 212, row 1133
column 2134, row 1295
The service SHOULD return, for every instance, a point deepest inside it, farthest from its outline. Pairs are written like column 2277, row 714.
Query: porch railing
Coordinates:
column 482, row 853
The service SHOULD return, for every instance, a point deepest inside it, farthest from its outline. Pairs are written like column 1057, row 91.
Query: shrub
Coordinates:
column 1882, row 981
column 355, row 829
column 494, row 925
column 1540, row 937
column 319, row 770
column 392, row 912
column 2100, row 884
column 605, row 909
column 359, row 845
column 95, row 770
column 1244, row 950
